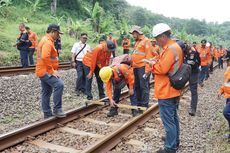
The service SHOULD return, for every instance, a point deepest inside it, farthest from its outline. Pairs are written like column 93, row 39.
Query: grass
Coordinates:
column 218, row 143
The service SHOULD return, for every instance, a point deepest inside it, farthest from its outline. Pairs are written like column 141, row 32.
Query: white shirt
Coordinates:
column 77, row 47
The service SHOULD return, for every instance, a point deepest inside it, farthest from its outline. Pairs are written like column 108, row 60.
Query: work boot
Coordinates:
column 59, row 114
column 112, row 112
column 135, row 112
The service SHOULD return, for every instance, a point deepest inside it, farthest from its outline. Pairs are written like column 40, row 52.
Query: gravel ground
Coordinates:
column 20, row 99
column 197, row 133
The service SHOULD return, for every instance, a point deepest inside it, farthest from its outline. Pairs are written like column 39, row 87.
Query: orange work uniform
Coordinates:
column 47, row 57
column 119, row 72
column 125, row 43
column 163, row 88
column 205, row 55
column 34, row 39
column 224, row 89
column 87, row 59
column 142, row 50
column 100, row 57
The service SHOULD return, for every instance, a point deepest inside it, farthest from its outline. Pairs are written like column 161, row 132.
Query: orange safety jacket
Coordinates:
column 100, row 56
column 119, row 72
column 87, row 59
column 205, row 55
column 224, row 89
column 221, row 52
column 47, row 57
column 166, row 64
column 126, row 43
column 33, row 38
column 142, row 50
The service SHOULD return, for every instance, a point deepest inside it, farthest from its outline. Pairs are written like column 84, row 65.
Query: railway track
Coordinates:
column 86, row 129
column 7, row 71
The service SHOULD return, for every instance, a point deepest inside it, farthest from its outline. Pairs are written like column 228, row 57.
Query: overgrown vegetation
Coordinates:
column 97, row 18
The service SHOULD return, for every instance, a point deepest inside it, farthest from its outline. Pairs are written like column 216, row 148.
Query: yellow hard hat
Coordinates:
column 105, row 73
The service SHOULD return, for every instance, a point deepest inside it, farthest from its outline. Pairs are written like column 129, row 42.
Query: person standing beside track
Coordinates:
column 23, row 45
column 193, row 59
column 225, row 89
column 79, row 50
column 142, row 50
column 168, row 97
column 46, row 70
column 125, row 44
column 205, row 57
column 34, row 39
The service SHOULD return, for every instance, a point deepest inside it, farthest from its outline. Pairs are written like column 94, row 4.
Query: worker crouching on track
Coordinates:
column 117, row 77
column 46, row 70
column 225, row 89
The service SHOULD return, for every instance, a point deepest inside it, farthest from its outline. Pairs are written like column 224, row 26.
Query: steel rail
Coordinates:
column 17, row 136
column 19, row 70
column 116, row 137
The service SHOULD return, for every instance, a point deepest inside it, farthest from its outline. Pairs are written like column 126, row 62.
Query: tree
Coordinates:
column 53, row 6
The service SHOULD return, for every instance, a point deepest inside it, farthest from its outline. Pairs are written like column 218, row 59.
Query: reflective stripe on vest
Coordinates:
column 138, row 52
column 176, row 65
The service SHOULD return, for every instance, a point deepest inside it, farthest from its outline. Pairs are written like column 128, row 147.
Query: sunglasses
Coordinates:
column 84, row 38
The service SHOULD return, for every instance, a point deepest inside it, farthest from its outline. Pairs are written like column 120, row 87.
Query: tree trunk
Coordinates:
column 53, row 7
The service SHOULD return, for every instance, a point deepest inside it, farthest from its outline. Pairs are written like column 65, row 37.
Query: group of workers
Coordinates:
column 149, row 56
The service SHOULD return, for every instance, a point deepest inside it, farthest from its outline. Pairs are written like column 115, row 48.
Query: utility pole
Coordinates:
column 53, row 6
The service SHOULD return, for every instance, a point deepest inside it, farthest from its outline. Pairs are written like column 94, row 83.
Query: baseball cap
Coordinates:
column 54, row 27
column 111, row 46
column 137, row 29
column 204, row 41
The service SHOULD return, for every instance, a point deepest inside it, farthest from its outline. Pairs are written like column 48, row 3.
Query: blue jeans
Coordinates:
column 51, row 84
column 203, row 73
column 193, row 82
column 226, row 112
column 117, row 94
column 24, row 57
column 220, row 62
column 99, row 82
column 88, row 82
column 31, row 54
column 141, row 88
column 80, row 81
column 170, row 119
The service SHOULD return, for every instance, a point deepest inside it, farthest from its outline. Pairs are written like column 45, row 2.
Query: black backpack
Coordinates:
column 180, row 76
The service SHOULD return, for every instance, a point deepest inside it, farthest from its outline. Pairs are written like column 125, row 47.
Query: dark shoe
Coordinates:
column 135, row 112
column 112, row 112
column 59, row 114
column 177, row 145
column 47, row 115
column 192, row 112
column 78, row 93
column 165, row 151
column 201, row 84
column 89, row 97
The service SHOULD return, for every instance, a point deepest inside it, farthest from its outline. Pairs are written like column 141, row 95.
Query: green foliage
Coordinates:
column 97, row 18
column 36, row 5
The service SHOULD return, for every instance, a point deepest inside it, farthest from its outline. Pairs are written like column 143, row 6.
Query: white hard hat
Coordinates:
column 208, row 44
column 160, row 28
